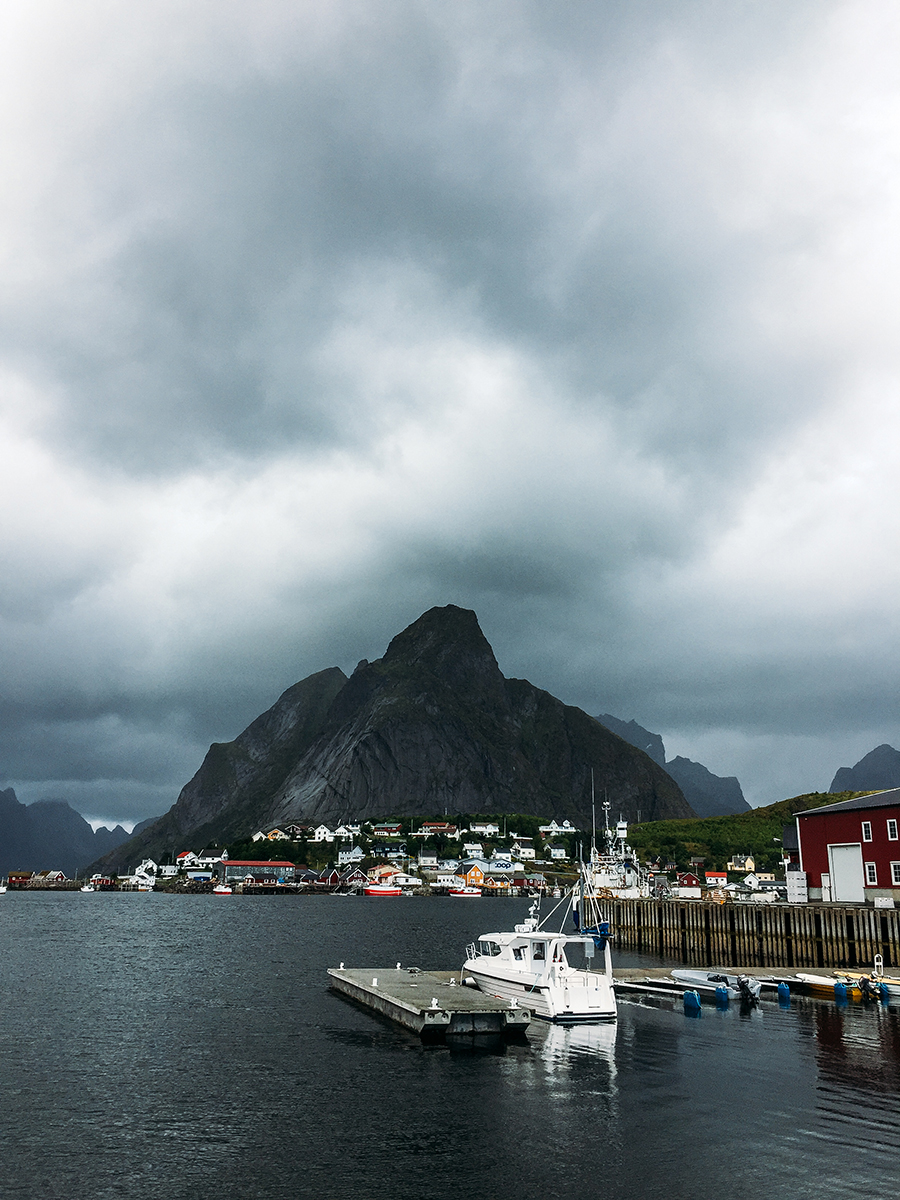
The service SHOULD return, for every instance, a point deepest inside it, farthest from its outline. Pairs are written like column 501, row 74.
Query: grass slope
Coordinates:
column 715, row 839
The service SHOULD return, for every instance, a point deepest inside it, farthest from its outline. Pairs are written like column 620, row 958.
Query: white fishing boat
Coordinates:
column 222, row 889
column 88, row 887
column 615, row 869
column 465, row 891
column 531, row 965
column 382, row 889
column 739, row 987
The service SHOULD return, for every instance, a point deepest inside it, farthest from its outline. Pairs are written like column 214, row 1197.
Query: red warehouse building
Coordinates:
column 850, row 851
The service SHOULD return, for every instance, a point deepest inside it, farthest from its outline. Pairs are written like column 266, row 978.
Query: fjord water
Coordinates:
column 181, row 1046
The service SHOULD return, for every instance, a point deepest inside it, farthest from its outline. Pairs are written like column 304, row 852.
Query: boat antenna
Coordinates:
column 593, row 820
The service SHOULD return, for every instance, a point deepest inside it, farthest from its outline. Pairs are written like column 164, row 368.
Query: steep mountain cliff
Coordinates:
column 708, row 794
column 878, row 770
column 49, row 835
column 432, row 726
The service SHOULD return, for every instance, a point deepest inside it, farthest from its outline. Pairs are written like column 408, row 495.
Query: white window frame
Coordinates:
column 871, row 871
column 895, row 874
column 892, row 829
column 867, row 831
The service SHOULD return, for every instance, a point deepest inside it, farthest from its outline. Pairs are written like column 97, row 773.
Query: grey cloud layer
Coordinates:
column 315, row 316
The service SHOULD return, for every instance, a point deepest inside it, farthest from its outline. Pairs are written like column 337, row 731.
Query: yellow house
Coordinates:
column 740, row 862
column 473, row 875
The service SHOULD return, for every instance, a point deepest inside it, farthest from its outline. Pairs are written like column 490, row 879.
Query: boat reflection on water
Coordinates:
column 859, row 1047
column 566, row 1044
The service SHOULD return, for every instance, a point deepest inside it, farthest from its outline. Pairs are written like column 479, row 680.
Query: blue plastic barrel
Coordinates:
column 784, row 993
column 840, row 992
column 721, row 996
column 692, row 1003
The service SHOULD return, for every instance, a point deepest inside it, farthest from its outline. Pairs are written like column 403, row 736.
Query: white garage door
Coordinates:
column 847, row 873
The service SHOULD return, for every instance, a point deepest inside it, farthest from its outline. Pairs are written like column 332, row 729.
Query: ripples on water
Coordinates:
column 184, row 1046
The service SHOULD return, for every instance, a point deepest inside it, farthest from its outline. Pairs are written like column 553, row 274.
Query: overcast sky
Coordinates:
column 316, row 314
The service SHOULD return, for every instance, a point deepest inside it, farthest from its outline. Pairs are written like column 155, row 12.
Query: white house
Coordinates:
column 322, row 833
column 557, row 852
column 346, row 833
column 553, row 829
column 485, row 828
column 428, row 861
column 473, row 850
column 523, row 847
column 346, row 857
column 210, row 860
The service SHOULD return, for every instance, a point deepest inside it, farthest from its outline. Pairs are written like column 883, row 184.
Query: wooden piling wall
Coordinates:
column 759, row 935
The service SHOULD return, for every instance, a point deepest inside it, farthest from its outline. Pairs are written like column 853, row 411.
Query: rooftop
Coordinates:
column 886, row 799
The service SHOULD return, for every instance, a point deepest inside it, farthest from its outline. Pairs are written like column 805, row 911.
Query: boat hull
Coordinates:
column 823, row 985
column 888, row 982
column 377, row 890
column 582, row 996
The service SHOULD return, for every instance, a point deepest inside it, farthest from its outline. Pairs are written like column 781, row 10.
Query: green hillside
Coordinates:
column 715, row 839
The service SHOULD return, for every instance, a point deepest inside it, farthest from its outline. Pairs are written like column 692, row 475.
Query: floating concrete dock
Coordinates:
column 432, row 1003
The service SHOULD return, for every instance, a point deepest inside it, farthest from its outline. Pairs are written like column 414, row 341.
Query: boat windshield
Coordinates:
column 488, row 948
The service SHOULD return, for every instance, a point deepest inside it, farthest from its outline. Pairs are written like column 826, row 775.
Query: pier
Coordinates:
column 701, row 933
column 431, row 1003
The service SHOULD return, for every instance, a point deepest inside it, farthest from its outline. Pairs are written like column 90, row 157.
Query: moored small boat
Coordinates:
column 382, row 889
column 824, row 985
column 465, row 891
column 739, row 987
column 222, row 889
column 889, row 984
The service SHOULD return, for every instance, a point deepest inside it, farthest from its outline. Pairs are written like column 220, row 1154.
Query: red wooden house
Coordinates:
column 850, row 851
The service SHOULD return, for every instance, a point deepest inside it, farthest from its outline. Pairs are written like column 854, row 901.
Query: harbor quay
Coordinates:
column 771, row 935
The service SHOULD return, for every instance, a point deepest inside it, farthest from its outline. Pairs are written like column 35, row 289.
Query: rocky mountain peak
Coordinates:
column 445, row 642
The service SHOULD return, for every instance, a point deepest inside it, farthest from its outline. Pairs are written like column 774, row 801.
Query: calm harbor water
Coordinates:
column 185, row 1046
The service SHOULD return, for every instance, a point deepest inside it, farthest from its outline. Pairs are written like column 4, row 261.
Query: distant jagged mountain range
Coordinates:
column 879, row 770
column 50, row 835
column 708, row 795
column 431, row 727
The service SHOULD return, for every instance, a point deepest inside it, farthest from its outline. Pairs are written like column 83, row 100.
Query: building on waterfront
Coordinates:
column 241, row 870
column 850, row 851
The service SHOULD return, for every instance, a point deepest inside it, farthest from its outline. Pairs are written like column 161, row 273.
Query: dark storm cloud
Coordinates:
column 317, row 315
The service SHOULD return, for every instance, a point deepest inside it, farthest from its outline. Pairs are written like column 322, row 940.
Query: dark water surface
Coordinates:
column 188, row 1046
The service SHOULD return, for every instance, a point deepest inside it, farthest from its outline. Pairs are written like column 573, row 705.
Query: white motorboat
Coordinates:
column 465, row 891
column 89, row 887
column 222, row 889
column 739, row 987
column 531, row 966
